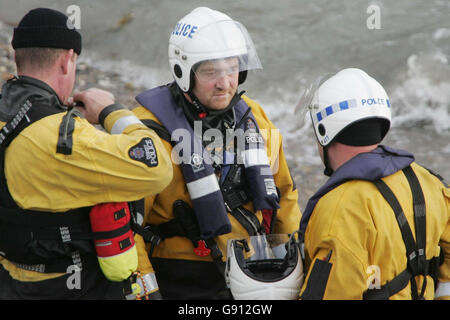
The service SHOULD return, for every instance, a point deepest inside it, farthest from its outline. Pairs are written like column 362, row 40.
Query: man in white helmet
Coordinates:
column 224, row 184
column 379, row 227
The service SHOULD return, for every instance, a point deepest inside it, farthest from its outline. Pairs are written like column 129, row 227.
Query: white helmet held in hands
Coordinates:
column 264, row 267
column 204, row 35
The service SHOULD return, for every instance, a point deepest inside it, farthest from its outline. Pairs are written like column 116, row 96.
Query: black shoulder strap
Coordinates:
column 162, row 132
column 407, row 234
column 66, row 129
column 419, row 218
column 438, row 176
column 415, row 251
column 8, row 132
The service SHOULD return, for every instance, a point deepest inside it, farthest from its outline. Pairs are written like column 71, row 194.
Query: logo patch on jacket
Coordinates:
column 144, row 152
column 197, row 163
column 250, row 125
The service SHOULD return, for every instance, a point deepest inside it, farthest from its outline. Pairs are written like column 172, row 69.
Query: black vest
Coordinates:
column 36, row 240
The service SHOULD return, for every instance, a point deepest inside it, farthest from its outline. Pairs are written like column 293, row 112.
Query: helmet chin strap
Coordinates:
column 201, row 110
column 326, row 160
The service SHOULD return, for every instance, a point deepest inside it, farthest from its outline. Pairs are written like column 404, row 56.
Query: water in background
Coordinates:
column 296, row 40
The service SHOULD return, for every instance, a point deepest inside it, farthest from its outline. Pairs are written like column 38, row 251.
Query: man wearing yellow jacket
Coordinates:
column 56, row 166
column 231, row 178
column 379, row 227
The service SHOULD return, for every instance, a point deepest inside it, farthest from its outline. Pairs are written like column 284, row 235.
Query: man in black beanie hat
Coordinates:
column 56, row 166
column 46, row 28
column 41, row 39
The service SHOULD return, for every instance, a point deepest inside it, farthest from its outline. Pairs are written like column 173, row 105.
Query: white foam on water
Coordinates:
column 423, row 98
column 138, row 75
column 441, row 33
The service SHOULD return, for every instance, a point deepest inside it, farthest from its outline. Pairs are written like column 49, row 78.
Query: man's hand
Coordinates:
column 94, row 100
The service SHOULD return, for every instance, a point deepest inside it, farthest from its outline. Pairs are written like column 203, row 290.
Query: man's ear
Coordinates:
column 65, row 59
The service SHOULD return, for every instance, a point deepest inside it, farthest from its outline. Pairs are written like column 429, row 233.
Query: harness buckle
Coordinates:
column 150, row 236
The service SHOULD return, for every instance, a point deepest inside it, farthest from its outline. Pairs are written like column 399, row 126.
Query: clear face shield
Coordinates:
column 227, row 49
column 267, row 257
column 210, row 71
column 267, row 267
column 309, row 100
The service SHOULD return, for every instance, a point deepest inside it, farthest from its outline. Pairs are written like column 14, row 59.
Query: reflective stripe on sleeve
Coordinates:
column 443, row 290
column 255, row 157
column 203, row 186
column 120, row 125
column 150, row 283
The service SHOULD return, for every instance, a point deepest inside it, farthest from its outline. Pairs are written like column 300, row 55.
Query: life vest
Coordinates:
column 35, row 240
column 373, row 166
column 370, row 166
column 206, row 193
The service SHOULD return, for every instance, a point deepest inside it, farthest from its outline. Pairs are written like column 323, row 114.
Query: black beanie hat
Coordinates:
column 365, row 132
column 46, row 28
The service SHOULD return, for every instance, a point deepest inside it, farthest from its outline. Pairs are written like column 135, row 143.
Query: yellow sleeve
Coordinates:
column 102, row 167
column 151, row 170
column 329, row 246
column 346, row 280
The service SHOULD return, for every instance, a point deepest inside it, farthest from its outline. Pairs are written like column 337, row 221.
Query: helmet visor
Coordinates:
column 225, row 45
column 213, row 70
column 309, row 100
column 267, row 257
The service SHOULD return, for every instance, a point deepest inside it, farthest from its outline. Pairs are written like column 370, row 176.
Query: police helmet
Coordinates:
column 349, row 107
column 208, row 35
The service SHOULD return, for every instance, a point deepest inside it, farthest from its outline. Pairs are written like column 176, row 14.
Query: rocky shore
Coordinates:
column 87, row 76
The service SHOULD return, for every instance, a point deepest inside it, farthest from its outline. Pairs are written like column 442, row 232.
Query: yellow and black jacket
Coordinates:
column 353, row 243
column 57, row 165
column 182, row 273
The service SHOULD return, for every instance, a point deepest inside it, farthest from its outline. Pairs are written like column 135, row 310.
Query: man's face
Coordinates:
column 216, row 82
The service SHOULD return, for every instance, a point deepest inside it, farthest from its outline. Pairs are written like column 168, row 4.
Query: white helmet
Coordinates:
column 344, row 99
column 205, row 34
column 264, row 267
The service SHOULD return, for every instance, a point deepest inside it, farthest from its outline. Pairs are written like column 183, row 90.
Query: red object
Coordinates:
column 202, row 115
column 108, row 217
column 202, row 250
column 267, row 219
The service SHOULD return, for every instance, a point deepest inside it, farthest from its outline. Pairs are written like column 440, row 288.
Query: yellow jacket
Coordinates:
column 99, row 170
column 356, row 229
column 158, row 208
